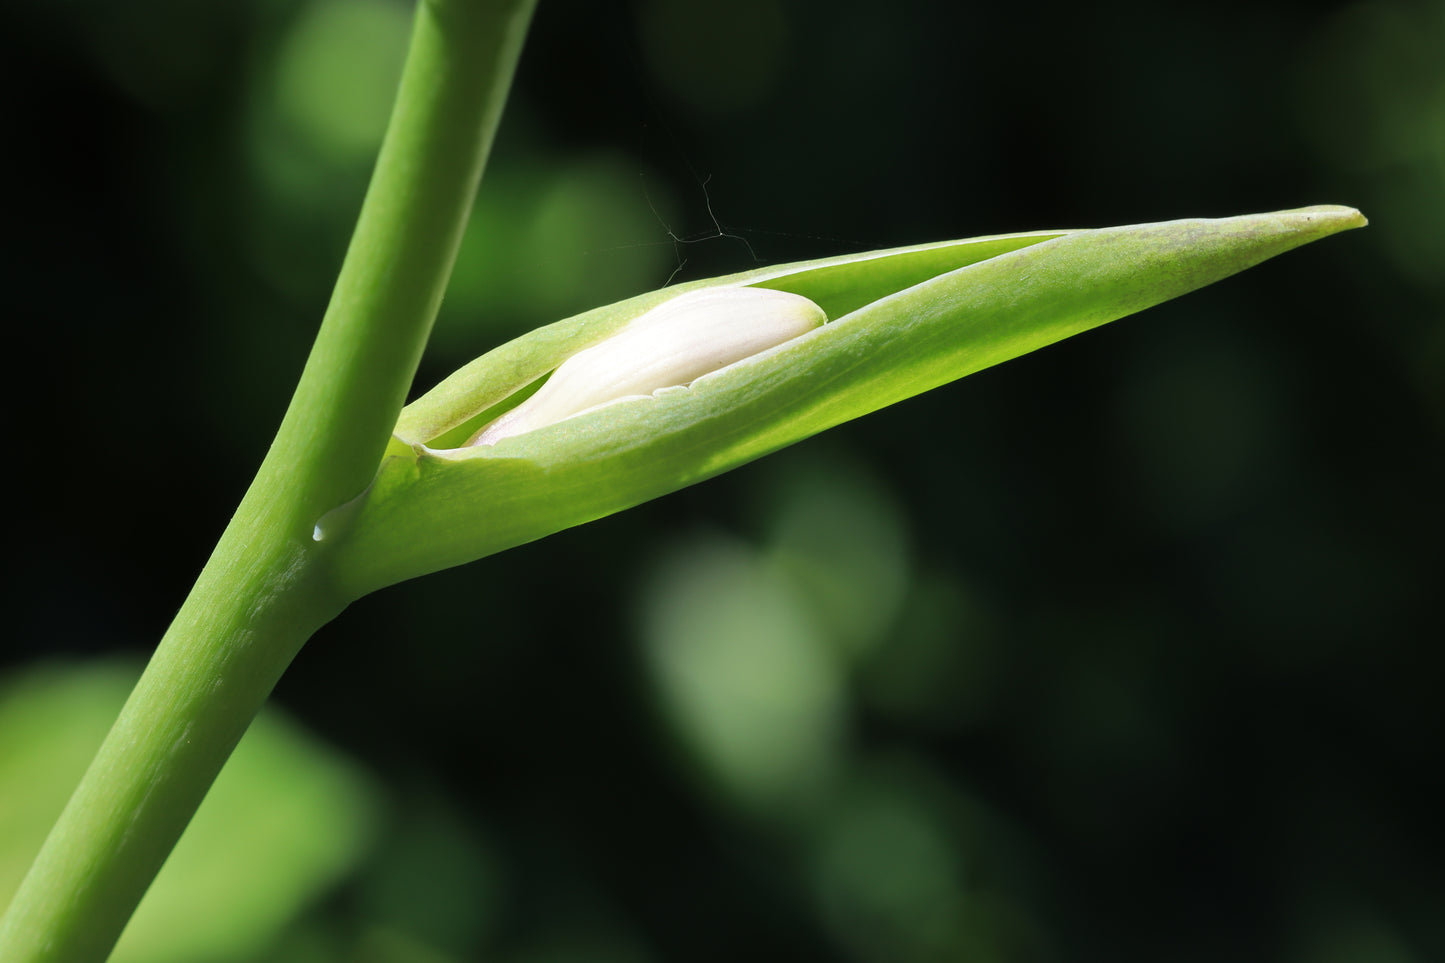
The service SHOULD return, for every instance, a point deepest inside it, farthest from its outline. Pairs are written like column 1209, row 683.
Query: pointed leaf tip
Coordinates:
column 1336, row 216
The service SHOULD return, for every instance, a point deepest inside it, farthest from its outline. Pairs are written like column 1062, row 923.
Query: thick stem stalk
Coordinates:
column 266, row 588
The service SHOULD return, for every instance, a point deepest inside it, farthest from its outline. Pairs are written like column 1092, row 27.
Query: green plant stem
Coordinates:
column 266, row 588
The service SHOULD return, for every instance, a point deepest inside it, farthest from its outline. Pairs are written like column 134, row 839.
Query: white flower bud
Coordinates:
column 673, row 344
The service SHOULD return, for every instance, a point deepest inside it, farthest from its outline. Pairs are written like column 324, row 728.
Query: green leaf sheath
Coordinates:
column 839, row 285
column 904, row 321
column 266, row 587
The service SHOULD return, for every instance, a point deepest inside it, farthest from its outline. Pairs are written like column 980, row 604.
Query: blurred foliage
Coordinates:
column 286, row 820
column 1126, row 651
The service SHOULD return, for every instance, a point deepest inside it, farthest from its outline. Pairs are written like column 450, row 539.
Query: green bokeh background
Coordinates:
column 1125, row 651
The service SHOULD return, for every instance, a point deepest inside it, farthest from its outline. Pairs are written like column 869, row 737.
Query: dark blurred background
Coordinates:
column 1125, row 651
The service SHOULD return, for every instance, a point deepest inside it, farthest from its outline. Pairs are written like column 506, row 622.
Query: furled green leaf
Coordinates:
column 902, row 321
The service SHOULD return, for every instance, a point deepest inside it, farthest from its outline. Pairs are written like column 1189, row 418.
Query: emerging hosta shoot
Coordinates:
column 574, row 421
column 477, row 465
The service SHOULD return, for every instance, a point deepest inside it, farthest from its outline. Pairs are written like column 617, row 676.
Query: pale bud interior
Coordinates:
column 672, row 345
